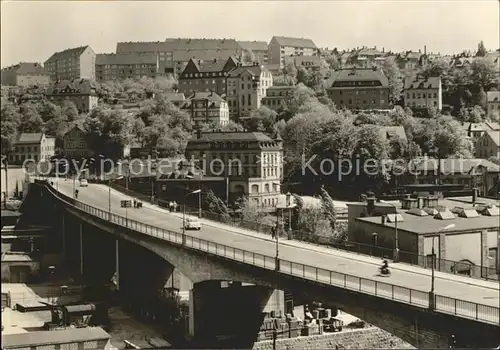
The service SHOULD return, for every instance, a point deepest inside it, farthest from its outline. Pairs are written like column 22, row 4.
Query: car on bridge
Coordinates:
column 84, row 183
column 192, row 224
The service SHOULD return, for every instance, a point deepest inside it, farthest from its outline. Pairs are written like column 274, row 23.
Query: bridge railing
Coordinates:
column 461, row 308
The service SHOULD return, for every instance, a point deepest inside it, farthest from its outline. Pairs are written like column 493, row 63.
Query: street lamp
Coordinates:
column 184, row 210
column 289, row 206
column 431, row 293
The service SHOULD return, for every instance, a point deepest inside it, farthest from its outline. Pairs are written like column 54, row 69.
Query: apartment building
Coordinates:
column 359, row 88
column 76, row 63
column 279, row 47
column 25, row 74
column 246, row 86
column 277, row 97
column 82, row 92
column 207, row 108
column 32, row 146
column 258, row 48
column 422, row 93
column 160, row 49
column 252, row 163
column 127, row 66
column 199, row 76
column 493, row 103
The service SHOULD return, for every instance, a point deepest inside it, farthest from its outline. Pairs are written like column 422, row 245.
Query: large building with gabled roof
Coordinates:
column 25, row 74
column 82, row 92
column 423, row 92
column 75, row 63
column 359, row 88
column 279, row 47
column 205, row 76
column 33, row 147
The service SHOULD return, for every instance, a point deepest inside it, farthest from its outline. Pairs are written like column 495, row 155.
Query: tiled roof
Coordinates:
column 174, row 96
column 231, row 136
column 359, row 74
column 175, row 44
column 254, row 70
column 306, row 61
column 142, row 46
column 68, row 52
column 214, row 99
column 85, row 86
column 125, row 59
column 369, row 51
column 294, row 42
column 30, row 137
column 422, row 83
column 203, row 55
column 280, row 87
column 253, row 45
column 483, row 126
column 495, row 137
column 28, row 68
column 455, row 165
column 493, row 96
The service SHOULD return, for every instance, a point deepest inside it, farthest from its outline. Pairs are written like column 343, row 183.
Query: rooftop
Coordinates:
column 75, row 86
column 125, row 59
column 175, row 44
column 27, row 68
column 494, row 136
column 452, row 166
column 422, row 83
column 294, row 42
column 30, row 137
column 231, row 136
column 69, row 335
column 253, row 45
column 359, row 74
column 76, row 51
column 254, row 70
column 16, row 257
column 214, row 99
column 429, row 224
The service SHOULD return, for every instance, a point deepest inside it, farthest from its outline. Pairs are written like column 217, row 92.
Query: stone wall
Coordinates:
column 366, row 338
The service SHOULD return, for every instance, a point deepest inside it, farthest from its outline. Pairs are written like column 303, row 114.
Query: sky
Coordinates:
column 31, row 31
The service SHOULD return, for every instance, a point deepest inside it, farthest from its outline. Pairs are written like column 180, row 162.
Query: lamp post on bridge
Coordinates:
column 432, row 299
column 109, row 195
column 184, row 212
column 395, row 257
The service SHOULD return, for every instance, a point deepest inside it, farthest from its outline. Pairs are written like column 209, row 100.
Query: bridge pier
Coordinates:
column 63, row 234
column 117, row 264
column 233, row 310
column 81, row 250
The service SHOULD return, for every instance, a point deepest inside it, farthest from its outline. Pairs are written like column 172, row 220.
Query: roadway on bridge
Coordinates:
column 97, row 195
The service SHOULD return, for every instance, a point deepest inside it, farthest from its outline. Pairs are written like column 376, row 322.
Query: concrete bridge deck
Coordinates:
column 461, row 296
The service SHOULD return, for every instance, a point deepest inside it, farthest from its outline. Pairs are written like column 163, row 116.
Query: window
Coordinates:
column 435, row 95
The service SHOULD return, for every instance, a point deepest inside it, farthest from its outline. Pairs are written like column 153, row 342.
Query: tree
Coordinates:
column 68, row 108
column 31, row 121
column 284, row 80
column 217, row 206
column 290, row 69
column 484, row 73
column 261, row 119
column 48, row 111
column 481, row 50
column 138, row 128
column 10, row 119
column 328, row 207
column 395, row 78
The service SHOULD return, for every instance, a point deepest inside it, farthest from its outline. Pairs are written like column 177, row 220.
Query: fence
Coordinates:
column 462, row 308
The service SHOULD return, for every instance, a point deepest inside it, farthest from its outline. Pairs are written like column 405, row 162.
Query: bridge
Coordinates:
column 401, row 304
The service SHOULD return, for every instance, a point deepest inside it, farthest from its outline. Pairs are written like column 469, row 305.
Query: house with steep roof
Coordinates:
column 493, row 103
column 75, row 63
column 207, row 108
column 25, row 74
column 258, row 48
column 279, row 47
column 205, row 76
column 246, row 86
column 33, row 147
column 82, row 92
column 411, row 60
column 252, row 163
column 488, row 144
column 366, row 57
column 359, row 88
column 75, row 144
column 423, row 92
column 176, row 98
column 310, row 63
column 126, row 66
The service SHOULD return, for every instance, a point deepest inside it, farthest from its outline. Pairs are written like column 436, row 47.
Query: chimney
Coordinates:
column 474, row 195
column 383, row 219
column 420, row 204
column 425, row 49
column 383, row 50
column 198, row 134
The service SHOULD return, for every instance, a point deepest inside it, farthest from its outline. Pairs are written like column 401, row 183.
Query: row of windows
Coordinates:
column 419, row 95
column 360, row 92
column 204, row 75
column 358, row 102
column 196, row 82
column 418, row 105
column 273, row 102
